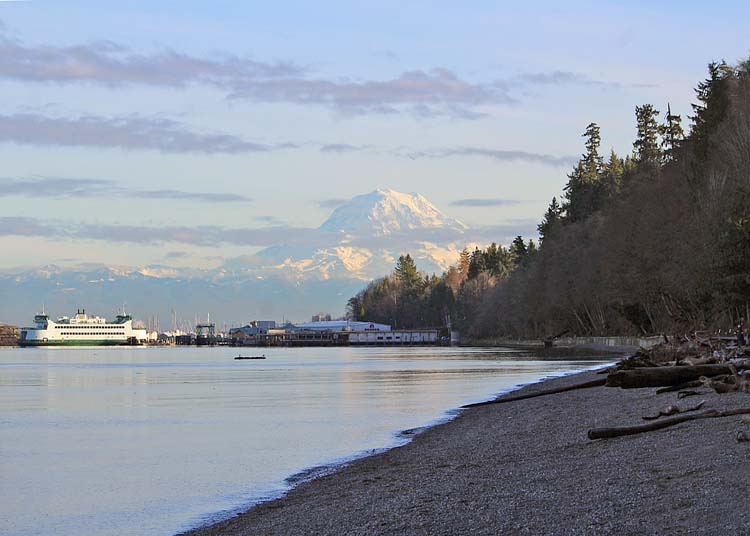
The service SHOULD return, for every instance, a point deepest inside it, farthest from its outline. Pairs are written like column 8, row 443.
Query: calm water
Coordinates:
column 155, row 440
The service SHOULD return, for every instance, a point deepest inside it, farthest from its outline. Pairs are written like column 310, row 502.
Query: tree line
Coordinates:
column 657, row 241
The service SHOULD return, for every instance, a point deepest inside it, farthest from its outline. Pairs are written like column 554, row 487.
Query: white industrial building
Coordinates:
column 341, row 325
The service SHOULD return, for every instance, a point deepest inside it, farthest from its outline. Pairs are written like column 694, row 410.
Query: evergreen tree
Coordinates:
column 646, row 146
column 531, row 250
column 518, row 251
column 476, row 264
column 612, row 176
column 406, row 271
column 671, row 134
column 713, row 96
column 551, row 219
column 464, row 260
column 592, row 162
column 581, row 192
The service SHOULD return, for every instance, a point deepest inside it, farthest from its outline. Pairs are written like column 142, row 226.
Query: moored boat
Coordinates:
column 82, row 330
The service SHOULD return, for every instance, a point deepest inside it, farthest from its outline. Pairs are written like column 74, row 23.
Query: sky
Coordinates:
column 128, row 129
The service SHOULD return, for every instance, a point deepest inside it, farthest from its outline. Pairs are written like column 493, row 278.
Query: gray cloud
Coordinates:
column 331, row 203
column 109, row 63
column 176, row 255
column 502, row 155
column 129, row 132
column 485, row 202
column 437, row 91
column 60, row 187
column 252, row 237
column 422, row 93
column 562, row 78
column 270, row 220
column 556, row 78
column 341, row 148
column 140, row 234
column 19, row 226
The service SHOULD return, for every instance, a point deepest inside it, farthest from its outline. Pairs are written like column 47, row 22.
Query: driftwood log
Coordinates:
column 663, row 376
column 673, row 410
column 607, row 433
column 585, row 385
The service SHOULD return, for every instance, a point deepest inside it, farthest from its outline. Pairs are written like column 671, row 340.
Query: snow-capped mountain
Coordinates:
column 387, row 212
column 361, row 240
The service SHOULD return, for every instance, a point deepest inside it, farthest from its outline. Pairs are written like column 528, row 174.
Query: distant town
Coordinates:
column 321, row 330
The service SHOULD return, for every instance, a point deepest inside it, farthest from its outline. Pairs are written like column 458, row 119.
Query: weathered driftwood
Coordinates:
column 584, row 385
column 728, row 383
column 662, row 376
column 673, row 410
column 680, row 387
column 607, row 433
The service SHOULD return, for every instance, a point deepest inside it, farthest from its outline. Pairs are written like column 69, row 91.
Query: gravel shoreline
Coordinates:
column 527, row 467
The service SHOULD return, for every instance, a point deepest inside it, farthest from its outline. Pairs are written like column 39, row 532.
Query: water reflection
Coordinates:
column 146, row 441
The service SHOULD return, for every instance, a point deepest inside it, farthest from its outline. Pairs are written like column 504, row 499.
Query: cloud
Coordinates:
column 270, row 220
column 20, row 226
column 176, row 255
column 419, row 92
column 128, row 132
column 112, row 64
column 562, row 78
column 434, row 92
column 556, row 78
column 59, row 187
column 437, row 91
column 331, row 203
column 502, row 155
column 141, row 234
column 485, row 202
column 277, row 235
column 341, row 148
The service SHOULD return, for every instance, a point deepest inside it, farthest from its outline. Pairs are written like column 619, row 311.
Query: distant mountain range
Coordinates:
column 361, row 240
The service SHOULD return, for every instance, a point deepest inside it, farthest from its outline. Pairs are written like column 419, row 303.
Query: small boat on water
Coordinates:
column 250, row 357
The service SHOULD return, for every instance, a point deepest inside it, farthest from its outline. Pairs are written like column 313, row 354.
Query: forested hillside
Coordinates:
column 657, row 241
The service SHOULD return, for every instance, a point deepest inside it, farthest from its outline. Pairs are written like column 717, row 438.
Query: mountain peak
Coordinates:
column 386, row 211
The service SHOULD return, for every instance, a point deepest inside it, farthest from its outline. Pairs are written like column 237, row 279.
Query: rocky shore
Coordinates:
column 527, row 467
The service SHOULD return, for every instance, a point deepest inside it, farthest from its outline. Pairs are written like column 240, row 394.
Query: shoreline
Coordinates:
column 401, row 438
column 527, row 467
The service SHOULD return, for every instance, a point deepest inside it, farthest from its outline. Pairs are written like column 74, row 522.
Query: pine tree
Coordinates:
column 518, row 251
column 583, row 181
column 531, row 249
column 464, row 260
column 551, row 219
column 611, row 181
column 646, row 146
column 713, row 96
column 671, row 134
column 406, row 271
column 592, row 162
column 476, row 264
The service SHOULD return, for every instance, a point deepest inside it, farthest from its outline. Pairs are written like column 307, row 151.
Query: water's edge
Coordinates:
column 400, row 438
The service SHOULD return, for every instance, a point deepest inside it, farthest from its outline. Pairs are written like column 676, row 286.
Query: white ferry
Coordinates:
column 82, row 330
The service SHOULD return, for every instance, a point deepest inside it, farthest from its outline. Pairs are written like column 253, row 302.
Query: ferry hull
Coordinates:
column 92, row 342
